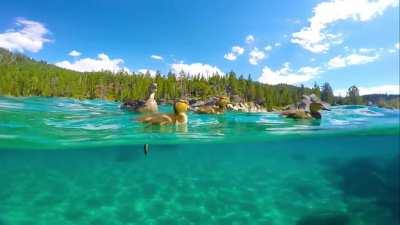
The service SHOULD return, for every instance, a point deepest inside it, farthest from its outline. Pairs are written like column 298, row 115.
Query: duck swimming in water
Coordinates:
column 143, row 106
column 218, row 108
column 313, row 112
column 178, row 117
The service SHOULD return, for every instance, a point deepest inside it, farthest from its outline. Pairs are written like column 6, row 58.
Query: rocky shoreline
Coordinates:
column 237, row 104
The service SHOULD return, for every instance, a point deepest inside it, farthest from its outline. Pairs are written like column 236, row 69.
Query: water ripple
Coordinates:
column 54, row 121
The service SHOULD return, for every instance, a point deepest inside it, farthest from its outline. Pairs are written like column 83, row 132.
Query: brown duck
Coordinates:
column 314, row 107
column 219, row 108
column 178, row 117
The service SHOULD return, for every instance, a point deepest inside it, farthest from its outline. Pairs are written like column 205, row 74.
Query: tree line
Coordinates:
column 22, row 76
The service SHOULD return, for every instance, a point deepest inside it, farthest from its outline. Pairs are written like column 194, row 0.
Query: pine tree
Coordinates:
column 353, row 96
column 316, row 90
column 22, row 76
column 327, row 93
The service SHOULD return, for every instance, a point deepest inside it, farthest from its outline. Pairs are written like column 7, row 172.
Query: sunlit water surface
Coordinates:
column 65, row 161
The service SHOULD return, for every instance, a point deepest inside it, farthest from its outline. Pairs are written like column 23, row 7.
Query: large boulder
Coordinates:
column 236, row 104
column 195, row 103
column 306, row 101
column 246, row 107
column 236, row 99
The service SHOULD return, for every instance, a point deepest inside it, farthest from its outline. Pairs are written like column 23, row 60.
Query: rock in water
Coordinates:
column 325, row 218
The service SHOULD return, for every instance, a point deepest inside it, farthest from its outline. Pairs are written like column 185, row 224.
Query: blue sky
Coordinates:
column 341, row 42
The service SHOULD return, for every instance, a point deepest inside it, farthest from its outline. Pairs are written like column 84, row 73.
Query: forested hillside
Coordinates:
column 22, row 76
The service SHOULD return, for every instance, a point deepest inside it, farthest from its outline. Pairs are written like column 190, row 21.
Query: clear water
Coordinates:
column 66, row 161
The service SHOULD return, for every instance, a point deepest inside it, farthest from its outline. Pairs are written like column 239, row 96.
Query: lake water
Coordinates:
column 65, row 161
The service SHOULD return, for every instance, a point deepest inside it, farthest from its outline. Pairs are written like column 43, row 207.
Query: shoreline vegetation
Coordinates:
column 23, row 76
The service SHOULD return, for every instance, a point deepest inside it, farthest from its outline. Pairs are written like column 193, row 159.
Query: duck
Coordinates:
column 218, row 108
column 143, row 106
column 178, row 117
column 301, row 113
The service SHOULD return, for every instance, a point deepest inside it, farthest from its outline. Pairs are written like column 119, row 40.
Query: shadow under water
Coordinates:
column 373, row 179
column 325, row 218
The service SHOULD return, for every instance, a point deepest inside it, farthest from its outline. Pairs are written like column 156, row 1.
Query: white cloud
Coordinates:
column 352, row 59
column 230, row 56
column 238, row 50
column 195, row 69
column 286, row 75
column 255, row 56
column 366, row 50
column 74, row 53
column 102, row 62
column 235, row 52
column 289, row 76
column 317, row 39
column 395, row 49
column 382, row 89
column 250, row 39
column 151, row 72
column 277, row 44
column 29, row 35
column 268, row 48
column 157, row 57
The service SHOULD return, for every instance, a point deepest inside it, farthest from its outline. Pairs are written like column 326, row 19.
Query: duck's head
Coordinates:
column 314, row 109
column 181, row 106
column 153, row 88
column 316, row 106
column 223, row 101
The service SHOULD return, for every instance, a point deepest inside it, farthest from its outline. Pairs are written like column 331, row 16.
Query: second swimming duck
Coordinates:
column 305, row 114
column 178, row 117
column 218, row 108
column 143, row 106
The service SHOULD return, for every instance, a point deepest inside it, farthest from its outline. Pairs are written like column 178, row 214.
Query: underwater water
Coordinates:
column 65, row 161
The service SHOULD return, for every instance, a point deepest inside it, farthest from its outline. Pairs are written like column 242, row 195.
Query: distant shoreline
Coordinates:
column 171, row 101
column 23, row 76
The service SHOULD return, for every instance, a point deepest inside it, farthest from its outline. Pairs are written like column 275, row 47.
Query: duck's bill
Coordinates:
column 325, row 108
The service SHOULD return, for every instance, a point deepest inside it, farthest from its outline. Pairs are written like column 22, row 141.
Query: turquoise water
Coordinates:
column 66, row 161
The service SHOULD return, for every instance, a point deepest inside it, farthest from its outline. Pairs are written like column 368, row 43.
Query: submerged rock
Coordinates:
column 362, row 177
column 391, row 200
column 373, row 179
column 325, row 218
